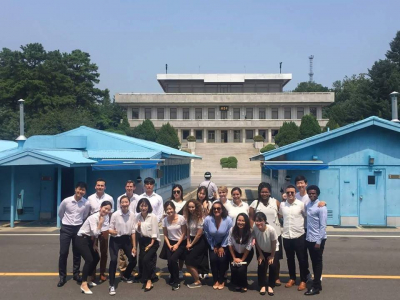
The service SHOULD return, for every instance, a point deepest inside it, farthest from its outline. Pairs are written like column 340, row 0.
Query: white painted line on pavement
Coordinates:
column 366, row 236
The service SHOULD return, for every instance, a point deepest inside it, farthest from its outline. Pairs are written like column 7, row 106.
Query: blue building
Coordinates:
column 36, row 174
column 357, row 168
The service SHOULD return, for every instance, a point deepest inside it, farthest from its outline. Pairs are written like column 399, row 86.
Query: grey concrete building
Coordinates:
column 224, row 108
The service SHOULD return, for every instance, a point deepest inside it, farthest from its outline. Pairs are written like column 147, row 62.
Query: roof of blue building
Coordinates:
column 7, row 145
column 322, row 137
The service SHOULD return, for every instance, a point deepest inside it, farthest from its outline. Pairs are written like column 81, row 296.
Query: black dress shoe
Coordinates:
column 312, row 291
column 148, row 289
column 61, row 282
column 77, row 278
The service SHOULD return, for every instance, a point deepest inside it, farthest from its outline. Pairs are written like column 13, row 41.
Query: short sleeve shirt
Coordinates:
column 174, row 229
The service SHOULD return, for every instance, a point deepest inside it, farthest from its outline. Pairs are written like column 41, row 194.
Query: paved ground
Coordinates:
column 359, row 264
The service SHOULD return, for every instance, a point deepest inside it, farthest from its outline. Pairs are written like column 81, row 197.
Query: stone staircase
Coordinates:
column 213, row 152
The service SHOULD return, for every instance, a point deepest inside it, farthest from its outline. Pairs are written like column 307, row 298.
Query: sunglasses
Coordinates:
column 176, row 192
column 217, row 208
column 290, row 193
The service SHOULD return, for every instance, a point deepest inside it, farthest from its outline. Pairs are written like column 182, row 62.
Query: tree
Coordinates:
column 310, row 87
column 145, row 131
column 331, row 125
column 288, row 133
column 309, row 126
column 267, row 148
column 167, row 136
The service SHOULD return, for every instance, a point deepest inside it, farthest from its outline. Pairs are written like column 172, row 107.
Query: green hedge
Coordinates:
column 191, row 138
column 268, row 147
column 258, row 138
column 229, row 162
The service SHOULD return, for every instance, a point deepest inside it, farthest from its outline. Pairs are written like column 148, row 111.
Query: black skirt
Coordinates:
column 195, row 257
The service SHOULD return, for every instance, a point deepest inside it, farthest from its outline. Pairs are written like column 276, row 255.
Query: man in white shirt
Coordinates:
column 293, row 212
column 130, row 189
column 301, row 184
column 211, row 186
column 95, row 201
column 155, row 199
column 72, row 212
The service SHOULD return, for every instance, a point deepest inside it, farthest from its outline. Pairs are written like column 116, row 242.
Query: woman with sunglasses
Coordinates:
column 237, row 205
column 240, row 247
column 216, row 228
column 174, row 228
column 266, row 244
column 177, row 198
column 86, row 243
column 270, row 207
column 149, row 241
column 195, row 244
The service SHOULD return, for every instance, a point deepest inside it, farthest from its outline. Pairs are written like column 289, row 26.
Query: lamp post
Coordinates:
column 395, row 117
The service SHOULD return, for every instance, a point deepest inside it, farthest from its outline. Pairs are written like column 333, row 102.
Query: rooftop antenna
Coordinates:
column 280, row 68
column 166, row 68
column 311, row 74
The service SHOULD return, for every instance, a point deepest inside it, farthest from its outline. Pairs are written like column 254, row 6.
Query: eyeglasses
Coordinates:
column 217, row 208
column 176, row 192
column 290, row 193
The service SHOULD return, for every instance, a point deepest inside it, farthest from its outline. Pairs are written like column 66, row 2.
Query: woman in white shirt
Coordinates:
column 196, row 246
column 122, row 235
column 86, row 243
column 177, row 198
column 149, row 241
column 270, row 207
column 237, row 205
column 266, row 243
column 240, row 247
column 174, row 228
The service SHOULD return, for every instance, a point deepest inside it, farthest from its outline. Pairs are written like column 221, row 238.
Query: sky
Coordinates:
column 131, row 41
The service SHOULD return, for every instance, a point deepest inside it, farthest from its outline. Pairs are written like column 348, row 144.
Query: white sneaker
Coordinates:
column 205, row 276
column 180, row 275
column 111, row 290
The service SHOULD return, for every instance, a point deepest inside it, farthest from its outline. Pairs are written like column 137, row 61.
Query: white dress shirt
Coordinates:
column 175, row 229
column 72, row 212
column 235, row 209
column 124, row 224
column 293, row 219
column 305, row 199
column 239, row 248
column 133, row 202
column 89, row 228
column 148, row 227
column 157, row 203
column 95, row 204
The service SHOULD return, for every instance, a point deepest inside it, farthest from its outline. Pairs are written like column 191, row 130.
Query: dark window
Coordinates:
column 263, row 133
column 186, row 113
column 147, row 113
column 185, row 134
column 199, row 134
column 249, row 134
column 160, row 113
column 211, row 113
column 236, row 113
column 274, row 113
column 300, row 112
column 371, row 179
column 211, row 136
column 313, row 111
column 173, row 115
column 224, row 115
column 249, row 113
column 236, row 136
column 288, row 113
column 261, row 113
column 135, row 113
column 198, row 113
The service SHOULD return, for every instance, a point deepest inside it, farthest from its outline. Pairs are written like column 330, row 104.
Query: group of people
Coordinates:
column 208, row 231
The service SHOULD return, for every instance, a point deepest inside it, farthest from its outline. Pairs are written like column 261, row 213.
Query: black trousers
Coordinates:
column 173, row 258
column 296, row 247
column 219, row 265
column 68, row 234
column 204, row 267
column 239, row 273
column 262, row 272
column 316, row 259
column 147, row 259
column 85, row 246
column 124, row 243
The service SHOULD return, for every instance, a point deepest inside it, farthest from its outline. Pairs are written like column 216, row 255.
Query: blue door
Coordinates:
column 372, row 196
column 329, row 186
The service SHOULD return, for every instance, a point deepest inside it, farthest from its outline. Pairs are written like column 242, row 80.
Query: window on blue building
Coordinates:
column 172, row 174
